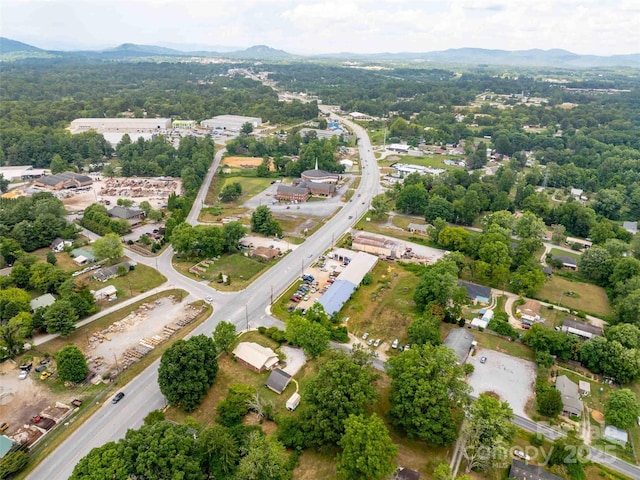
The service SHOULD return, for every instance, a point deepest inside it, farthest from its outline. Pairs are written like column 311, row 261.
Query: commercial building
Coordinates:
column 21, row 172
column 380, row 246
column 230, row 123
column 404, row 169
column 132, row 215
column 316, row 188
column 101, row 125
column 346, row 283
column 290, row 193
column 461, row 341
column 63, row 181
column 571, row 402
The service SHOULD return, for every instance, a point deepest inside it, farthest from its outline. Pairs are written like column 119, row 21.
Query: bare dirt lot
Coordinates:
column 244, row 162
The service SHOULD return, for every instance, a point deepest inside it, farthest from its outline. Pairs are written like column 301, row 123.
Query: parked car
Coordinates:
column 395, row 343
column 407, row 346
column 119, row 396
column 370, row 342
column 26, row 366
column 41, row 368
column 306, row 297
column 45, row 361
column 208, row 299
column 45, row 375
column 365, row 335
column 23, row 374
column 377, row 342
column 521, row 454
column 483, row 360
column 4, row 427
column 76, row 403
column 291, row 308
column 36, row 418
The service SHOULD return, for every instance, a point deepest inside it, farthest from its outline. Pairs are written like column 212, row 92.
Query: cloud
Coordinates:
column 306, row 26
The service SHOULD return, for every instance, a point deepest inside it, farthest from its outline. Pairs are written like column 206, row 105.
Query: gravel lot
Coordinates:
column 295, row 359
column 510, row 377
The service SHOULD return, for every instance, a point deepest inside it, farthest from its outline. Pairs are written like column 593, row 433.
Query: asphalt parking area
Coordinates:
column 510, row 377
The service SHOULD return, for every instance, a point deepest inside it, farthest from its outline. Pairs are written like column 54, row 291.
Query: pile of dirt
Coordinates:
column 597, row 416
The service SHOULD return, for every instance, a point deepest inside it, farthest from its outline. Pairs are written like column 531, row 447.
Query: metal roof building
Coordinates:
column 230, row 122
column 460, row 341
column 346, row 283
column 118, row 124
column 42, row 301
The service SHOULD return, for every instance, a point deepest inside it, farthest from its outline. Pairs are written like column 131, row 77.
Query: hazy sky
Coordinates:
column 601, row 27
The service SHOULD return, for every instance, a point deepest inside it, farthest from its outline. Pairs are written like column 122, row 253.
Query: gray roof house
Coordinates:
column 567, row 262
column 477, row 293
column 521, row 471
column 461, row 341
column 42, row 301
column 278, row 380
column 571, row 403
column 107, row 273
column 616, row 435
column 406, row 474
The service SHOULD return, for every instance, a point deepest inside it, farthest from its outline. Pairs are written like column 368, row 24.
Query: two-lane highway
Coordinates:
column 142, row 394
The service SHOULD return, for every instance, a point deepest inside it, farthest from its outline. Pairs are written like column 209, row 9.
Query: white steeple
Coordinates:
column 316, row 163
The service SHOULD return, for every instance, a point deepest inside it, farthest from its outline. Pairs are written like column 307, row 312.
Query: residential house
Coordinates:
column 616, row 435
column 529, row 311
column 133, row 215
column 265, row 253
column 461, row 341
column 108, row 293
column 476, row 293
column 255, row 357
column 42, row 301
column 86, row 253
column 571, row 402
column 278, row 380
column 582, row 329
column 567, row 262
column 406, row 474
column 59, row 244
column 580, row 241
column 522, row 471
column 107, row 273
column 418, row 228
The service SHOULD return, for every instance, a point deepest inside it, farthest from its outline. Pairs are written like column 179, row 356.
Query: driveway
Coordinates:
column 510, row 377
column 295, row 359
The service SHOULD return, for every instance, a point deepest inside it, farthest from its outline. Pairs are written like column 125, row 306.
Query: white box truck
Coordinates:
column 293, row 402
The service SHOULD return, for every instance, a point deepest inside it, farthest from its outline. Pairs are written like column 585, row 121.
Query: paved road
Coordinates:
column 246, row 309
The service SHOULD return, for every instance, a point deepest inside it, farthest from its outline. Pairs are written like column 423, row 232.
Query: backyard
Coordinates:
column 576, row 295
column 139, row 280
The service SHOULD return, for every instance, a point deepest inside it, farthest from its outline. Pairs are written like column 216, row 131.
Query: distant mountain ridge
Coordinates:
column 468, row 56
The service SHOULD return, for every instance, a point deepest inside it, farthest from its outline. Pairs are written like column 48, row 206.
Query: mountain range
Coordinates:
column 11, row 49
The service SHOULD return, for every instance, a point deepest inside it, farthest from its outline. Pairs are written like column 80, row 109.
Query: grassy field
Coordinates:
column 586, row 297
column 216, row 214
column 133, row 283
column 385, row 308
column 558, row 252
column 242, row 270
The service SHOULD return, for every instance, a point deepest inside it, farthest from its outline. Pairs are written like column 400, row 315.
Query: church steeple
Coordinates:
column 316, row 163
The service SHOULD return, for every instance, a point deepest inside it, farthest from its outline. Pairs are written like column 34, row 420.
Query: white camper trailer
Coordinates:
column 293, row 402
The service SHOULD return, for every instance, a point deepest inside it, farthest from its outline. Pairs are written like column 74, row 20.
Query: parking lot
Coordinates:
column 510, row 377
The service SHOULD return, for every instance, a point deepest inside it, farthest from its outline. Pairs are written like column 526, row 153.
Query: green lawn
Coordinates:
column 586, row 297
column 558, row 252
column 240, row 269
column 385, row 308
column 137, row 281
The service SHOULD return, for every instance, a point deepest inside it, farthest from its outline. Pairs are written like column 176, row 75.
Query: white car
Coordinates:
column 23, row 374
column 365, row 335
column 377, row 342
column 521, row 454
column 395, row 343
column 209, row 299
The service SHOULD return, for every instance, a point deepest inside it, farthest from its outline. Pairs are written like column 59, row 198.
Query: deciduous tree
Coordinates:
column 108, row 247
column 72, row 364
column 622, row 409
column 224, row 335
column 187, row 369
column 367, row 450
